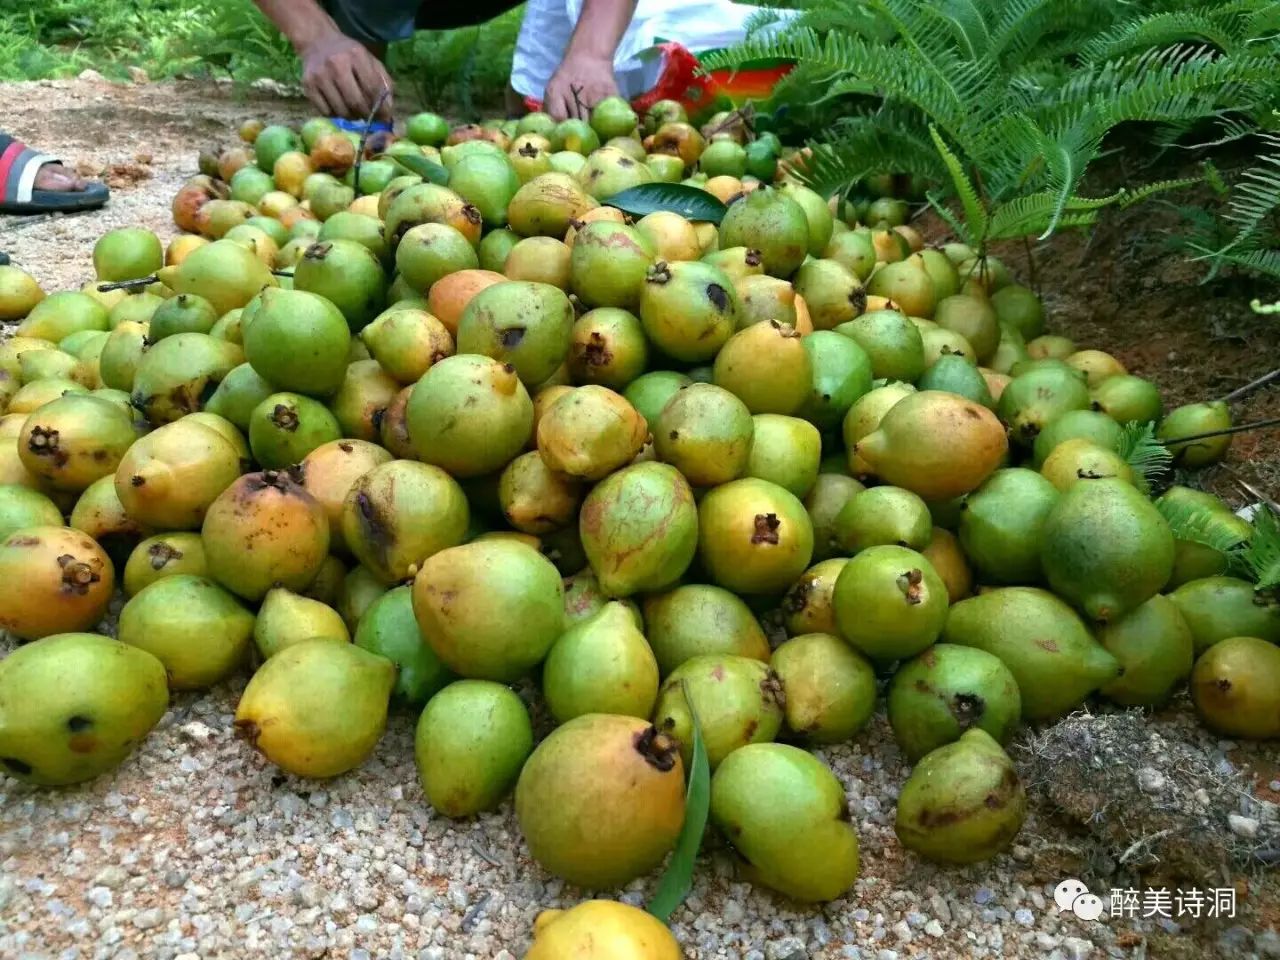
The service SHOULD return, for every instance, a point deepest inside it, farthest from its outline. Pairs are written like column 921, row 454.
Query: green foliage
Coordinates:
column 1260, row 557
column 1148, row 457
column 1009, row 102
column 1247, row 234
column 231, row 38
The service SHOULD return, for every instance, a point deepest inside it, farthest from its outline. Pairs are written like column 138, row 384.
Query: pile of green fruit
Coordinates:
column 401, row 422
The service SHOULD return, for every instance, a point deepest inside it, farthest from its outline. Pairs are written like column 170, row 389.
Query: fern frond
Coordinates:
column 1155, row 31
column 1260, row 559
column 1257, row 196
column 1191, row 521
column 865, row 147
column 1149, row 459
column 958, row 227
column 975, row 212
column 1151, row 189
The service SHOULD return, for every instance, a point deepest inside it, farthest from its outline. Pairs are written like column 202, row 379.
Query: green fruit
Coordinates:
column 73, row 706
column 465, row 613
column 946, row 280
column 318, row 708
column 854, row 251
column 948, row 689
column 737, row 701
column 698, row 619
column 1191, row 420
column 891, row 341
column 1002, row 524
column 1075, row 424
column 613, row 117
column 470, row 744
column 609, row 265
column 841, row 373
column 389, row 629
column 609, row 171
column 601, row 800
column 536, row 499
column 61, row 314
column 962, row 803
column 827, row 497
column 772, row 222
column 406, row 342
column 1080, row 460
column 863, row 419
column 787, row 816
column 601, row 665
column 21, row 507
column 366, row 231
column 359, row 590
column 276, row 140
column 830, row 688
column 889, row 603
column 1217, row 608
column 249, row 185
column 1125, row 398
column 973, row 318
column 496, row 247
column 427, row 129
column 639, row 529
column 706, row 433
column 184, row 313
column 430, row 251
column 540, row 259
column 608, row 348
column 1155, row 649
column 576, row 136
column 818, row 217
column 285, row 427
column 346, row 274
column 526, row 325
column 238, row 394
column 1236, row 688
column 1046, row 647
column 467, row 427
column 738, row 263
column 225, row 273
column 128, row 253
column 161, row 556
column 286, row 619
column 785, row 451
column 1034, row 399
column 74, row 440
column 650, row 392
column 537, row 122
column 955, row 374
column 766, row 366
column 906, row 284
column 831, row 291
column 363, row 398
column 689, row 309
column 754, row 537
column 298, row 341
column 1105, row 548
column 1020, row 308
column 198, row 630
column 723, row 158
column 487, row 182
column 665, row 168
column 399, row 514
column 880, row 516
column 761, row 161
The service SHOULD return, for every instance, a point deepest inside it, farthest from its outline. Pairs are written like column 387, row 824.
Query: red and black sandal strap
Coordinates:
column 19, row 165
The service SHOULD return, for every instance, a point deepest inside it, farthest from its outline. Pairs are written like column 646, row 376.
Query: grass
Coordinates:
column 231, row 38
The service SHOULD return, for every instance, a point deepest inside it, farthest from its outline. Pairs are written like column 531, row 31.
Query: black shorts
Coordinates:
column 382, row 21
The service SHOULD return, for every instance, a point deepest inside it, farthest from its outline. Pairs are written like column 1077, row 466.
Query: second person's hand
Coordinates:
column 343, row 79
column 579, row 84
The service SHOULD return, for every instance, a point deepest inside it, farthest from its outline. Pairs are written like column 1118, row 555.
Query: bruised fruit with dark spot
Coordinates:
column 786, row 815
column 807, row 605
column 620, row 776
column 521, row 323
column 366, row 392
column 607, row 347
column 198, row 630
column 467, row 598
column 590, row 432
column 399, row 514
column 74, row 440
column 738, row 700
column 535, row 498
column 754, row 537
column 168, row 479
column 470, row 415
column 393, row 427
column 639, row 529
column 831, row 688
column 177, row 375
column 331, row 470
column 962, row 803
column 1032, row 400
column 831, row 291
column 164, row 555
column 698, row 619
column 430, row 203
column 66, row 582
column 73, row 706
column 263, row 531
column 948, row 689
column 318, row 708
column 689, row 309
column 99, row 513
column 609, row 170
column 547, row 205
column 406, row 342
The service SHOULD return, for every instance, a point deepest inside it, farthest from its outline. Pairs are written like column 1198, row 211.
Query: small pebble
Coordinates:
column 1246, row 827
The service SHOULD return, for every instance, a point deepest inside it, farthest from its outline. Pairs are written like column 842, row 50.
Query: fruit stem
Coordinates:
column 364, row 134
column 1241, row 428
column 128, row 284
column 1248, row 388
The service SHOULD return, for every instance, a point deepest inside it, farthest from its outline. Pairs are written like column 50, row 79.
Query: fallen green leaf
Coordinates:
column 691, row 203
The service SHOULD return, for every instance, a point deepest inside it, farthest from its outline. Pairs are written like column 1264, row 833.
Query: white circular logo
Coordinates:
column 1064, row 895
column 1087, row 906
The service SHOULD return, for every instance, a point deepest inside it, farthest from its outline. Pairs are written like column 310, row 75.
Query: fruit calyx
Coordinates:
column 660, row 272
column 766, row 531
column 657, row 748
column 77, row 576
column 910, row 585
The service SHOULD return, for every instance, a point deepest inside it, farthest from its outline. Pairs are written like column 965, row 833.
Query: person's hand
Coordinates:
column 592, row 79
column 343, row 79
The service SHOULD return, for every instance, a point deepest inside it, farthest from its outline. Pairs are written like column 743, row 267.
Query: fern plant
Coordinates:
column 1008, row 103
column 1248, row 235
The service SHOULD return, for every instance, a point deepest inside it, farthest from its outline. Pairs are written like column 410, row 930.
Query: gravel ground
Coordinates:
column 198, row 848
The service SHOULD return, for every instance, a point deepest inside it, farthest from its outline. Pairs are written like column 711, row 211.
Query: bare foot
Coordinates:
column 56, row 177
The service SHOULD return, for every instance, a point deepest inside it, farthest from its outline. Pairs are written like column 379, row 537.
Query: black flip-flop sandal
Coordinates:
column 18, row 167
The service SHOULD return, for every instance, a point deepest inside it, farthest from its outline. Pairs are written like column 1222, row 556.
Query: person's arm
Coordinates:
column 587, row 67
column 339, row 75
